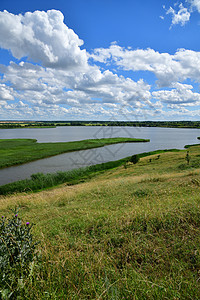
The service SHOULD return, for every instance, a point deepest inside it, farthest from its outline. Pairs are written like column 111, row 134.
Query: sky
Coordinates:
column 100, row 60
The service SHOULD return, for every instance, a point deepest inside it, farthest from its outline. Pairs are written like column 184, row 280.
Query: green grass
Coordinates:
column 124, row 234
column 19, row 151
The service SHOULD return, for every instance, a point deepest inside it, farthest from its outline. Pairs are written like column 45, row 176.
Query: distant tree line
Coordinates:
column 34, row 124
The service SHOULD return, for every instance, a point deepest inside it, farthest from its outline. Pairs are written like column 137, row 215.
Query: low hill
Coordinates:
column 128, row 233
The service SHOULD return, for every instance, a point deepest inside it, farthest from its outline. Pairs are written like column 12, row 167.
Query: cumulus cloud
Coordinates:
column 43, row 38
column 166, row 67
column 67, row 83
column 6, row 93
column 180, row 94
column 111, row 88
column 46, row 87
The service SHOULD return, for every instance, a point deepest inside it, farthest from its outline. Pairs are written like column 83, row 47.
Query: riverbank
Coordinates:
column 42, row 181
column 125, row 233
column 20, row 151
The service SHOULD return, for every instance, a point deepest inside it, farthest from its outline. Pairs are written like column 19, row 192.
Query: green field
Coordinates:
column 19, row 151
column 127, row 233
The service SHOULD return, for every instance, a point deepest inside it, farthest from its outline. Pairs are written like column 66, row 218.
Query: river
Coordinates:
column 160, row 138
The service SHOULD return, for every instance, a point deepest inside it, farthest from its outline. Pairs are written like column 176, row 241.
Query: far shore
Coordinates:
column 53, row 124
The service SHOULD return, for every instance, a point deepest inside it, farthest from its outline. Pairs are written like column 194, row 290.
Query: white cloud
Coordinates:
column 64, row 85
column 167, row 68
column 195, row 4
column 184, row 12
column 45, row 88
column 6, row 93
column 48, row 92
column 42, row 37
column 180, row 94
column 181, row 17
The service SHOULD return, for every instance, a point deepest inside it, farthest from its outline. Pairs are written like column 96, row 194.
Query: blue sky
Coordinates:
column 99, row 60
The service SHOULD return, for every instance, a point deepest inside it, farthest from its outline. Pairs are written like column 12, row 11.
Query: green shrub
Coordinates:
column 134, row 159
column 17, row 255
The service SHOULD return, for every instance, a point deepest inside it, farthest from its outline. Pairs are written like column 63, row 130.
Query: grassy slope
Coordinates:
column 19, row 151
column 131, row 233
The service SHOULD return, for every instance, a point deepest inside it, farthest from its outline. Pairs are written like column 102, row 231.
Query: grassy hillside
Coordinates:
column 125, row 234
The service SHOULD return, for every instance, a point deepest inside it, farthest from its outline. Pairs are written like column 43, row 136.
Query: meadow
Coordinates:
column 130, row 232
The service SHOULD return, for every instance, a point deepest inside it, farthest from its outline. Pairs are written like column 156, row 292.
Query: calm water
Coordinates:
column 160, row 138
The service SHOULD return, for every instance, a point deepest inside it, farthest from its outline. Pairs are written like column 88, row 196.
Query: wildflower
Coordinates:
column 16, row 215
column 27, row 223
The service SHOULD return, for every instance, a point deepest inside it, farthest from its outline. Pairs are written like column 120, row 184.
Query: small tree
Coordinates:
column 134, row 159
column 188, row 157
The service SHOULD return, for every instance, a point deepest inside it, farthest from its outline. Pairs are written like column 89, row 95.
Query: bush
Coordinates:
column 17, row 255
column 134, row 159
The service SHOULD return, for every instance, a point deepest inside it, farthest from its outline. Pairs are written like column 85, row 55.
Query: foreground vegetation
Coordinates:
column 19, row 151
column 51, row 124
column 127, row 233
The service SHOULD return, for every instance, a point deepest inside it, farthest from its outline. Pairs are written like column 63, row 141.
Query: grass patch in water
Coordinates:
column 19, row 151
